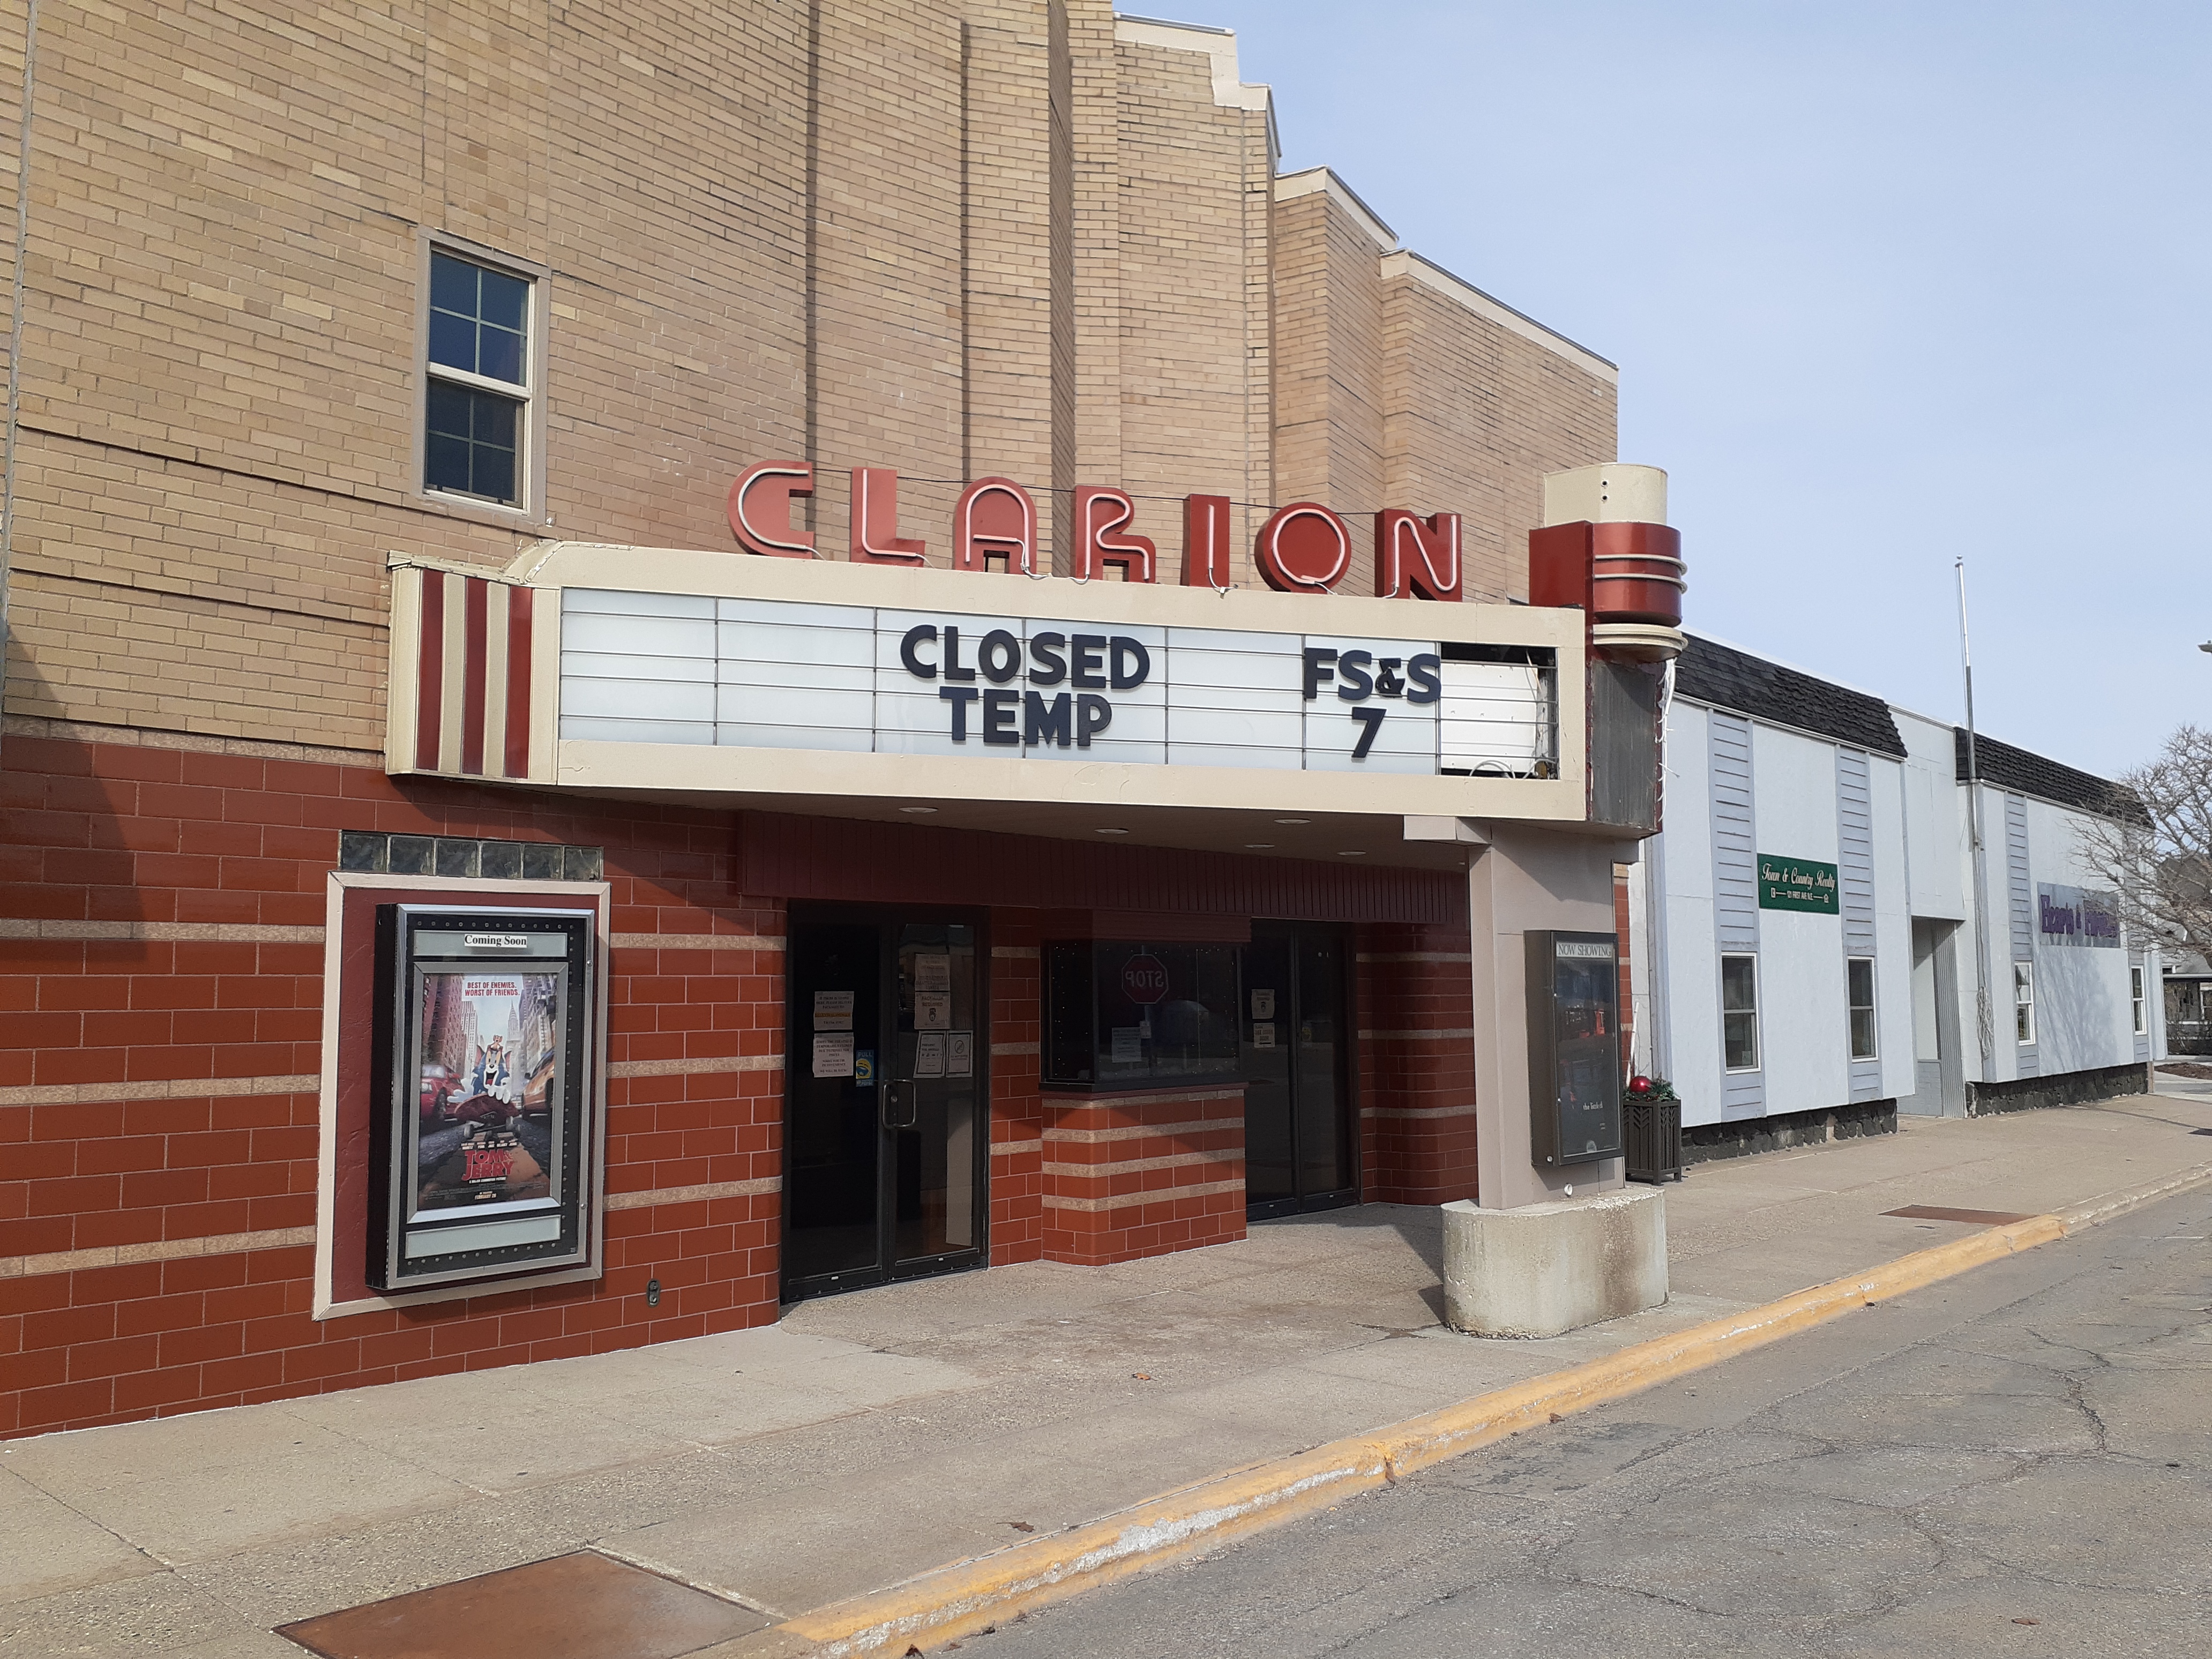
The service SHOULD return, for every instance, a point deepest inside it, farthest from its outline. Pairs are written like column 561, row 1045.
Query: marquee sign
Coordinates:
column 672, row 670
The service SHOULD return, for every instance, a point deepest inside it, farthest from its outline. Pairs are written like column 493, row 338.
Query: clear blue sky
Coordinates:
column 1887, row 283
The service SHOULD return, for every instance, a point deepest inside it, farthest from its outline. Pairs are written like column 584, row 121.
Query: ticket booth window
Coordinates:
column 1122, row 1015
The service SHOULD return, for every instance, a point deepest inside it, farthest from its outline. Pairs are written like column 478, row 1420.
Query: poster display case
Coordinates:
column 483, row 1133
column 1574, row 1048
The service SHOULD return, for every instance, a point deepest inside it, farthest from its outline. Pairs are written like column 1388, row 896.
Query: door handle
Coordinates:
column 893, row 1116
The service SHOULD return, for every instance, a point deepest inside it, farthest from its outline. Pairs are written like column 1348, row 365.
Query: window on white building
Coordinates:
column 1859, row 971
column 480, row 382
column 2135, row 995
column 1740, row 1013
column 2023, row 1002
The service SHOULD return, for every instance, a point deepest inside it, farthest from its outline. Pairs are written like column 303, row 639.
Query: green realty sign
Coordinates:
column 1796, row 884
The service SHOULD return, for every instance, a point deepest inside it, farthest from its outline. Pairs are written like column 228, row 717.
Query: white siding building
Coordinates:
column 1814, row 939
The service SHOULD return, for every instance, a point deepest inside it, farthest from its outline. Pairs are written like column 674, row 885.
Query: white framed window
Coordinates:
column 2135, row 996
column 1858, row 973
column 480, row 434
column 1740, row 1013
column 2023, row 1002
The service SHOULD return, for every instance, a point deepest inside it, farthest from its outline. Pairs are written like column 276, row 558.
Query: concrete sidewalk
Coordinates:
column 875, row 1435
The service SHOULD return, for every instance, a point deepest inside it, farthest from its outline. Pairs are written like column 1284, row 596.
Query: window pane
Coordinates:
column 2023, row 1024
column 1739, row 983
column 1740, row 1039
column 1861, row 1034
column 499, row 354
column 449, row 408
column 469, row 445
column 446, row 463
column 504, row 297
column 491, row 473
column 494, row 419
column 453, row 284
column 1862, row 977
column 453, row 341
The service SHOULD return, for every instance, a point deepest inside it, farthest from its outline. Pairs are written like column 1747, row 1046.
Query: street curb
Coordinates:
column 2118, row 1202
column 960, row 1599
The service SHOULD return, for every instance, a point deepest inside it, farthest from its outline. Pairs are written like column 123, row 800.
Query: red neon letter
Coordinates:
column 1303, row 548
column 1098, row 515
column 875, row 520
column 760, row 509
column 995, row 515
column 1206, row 541
column 1413, row 558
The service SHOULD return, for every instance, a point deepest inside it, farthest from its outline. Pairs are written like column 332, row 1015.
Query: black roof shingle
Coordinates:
column 1710, row 672
column 2024, row 773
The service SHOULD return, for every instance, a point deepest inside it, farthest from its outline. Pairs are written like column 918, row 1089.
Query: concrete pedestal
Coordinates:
column 1546, row 1269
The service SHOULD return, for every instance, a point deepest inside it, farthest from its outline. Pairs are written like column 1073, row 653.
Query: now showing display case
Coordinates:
column 483, row 1126
column 1574, row 1048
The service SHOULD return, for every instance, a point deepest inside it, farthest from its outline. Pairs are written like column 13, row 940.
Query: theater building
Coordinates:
column 663, row 659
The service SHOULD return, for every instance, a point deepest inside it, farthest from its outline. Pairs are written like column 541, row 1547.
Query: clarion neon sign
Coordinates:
column 1302, row 548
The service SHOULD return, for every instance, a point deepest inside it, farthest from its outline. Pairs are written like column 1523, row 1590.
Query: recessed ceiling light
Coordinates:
column 1113, row 832
column 917, row 809
column 1294, row 820
column 1257, row 845
column 1351, row 855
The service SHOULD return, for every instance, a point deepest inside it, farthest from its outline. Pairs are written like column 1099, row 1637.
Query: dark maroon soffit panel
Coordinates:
column 790, row 857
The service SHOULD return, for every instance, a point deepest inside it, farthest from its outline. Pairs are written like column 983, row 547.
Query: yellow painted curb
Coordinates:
column 960, row 1599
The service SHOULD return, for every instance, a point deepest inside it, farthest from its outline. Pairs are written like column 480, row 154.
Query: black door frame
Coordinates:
column 1348, row 1081
column 798, row 1041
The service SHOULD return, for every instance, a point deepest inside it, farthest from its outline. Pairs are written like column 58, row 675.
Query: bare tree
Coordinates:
column 2159, row 858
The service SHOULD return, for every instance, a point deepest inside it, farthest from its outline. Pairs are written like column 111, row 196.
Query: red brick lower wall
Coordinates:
column 1016, row 1112
column 1128, row 1176
column 1416, row 1000
column 161, row 993
column 161, row 990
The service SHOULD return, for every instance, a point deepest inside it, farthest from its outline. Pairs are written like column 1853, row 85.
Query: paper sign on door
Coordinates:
column 960, row 1054
column 833, row 1053
column 833, row 1011
column 932, row 1010
column 929, row 1055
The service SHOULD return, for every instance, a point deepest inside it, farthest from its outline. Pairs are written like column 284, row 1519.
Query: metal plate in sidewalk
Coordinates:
column 585, row 1605
column 1971, row 1217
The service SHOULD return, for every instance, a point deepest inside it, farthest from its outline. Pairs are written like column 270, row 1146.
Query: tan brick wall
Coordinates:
column 864, row 248
column 1477, row 415
column 1194, row 387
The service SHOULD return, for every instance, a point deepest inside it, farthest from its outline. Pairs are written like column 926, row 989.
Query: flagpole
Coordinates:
column 1985, row 1015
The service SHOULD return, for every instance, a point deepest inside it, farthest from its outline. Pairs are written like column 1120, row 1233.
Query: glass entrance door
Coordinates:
column 884, row 1135
column 1299, row 1150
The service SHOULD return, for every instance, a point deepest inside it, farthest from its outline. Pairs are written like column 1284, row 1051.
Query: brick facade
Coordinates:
column 950, row 237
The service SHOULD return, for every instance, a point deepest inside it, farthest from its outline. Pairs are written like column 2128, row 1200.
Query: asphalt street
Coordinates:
column 2017, row 1462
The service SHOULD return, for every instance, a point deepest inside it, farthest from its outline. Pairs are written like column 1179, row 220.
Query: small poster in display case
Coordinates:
column 1574, row 1048
column 482, row 1135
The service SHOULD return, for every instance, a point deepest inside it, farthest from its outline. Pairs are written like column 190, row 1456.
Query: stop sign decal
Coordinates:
column 1144, row 979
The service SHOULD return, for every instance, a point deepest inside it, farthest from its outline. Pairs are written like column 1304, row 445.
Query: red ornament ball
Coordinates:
column 1639, row 1085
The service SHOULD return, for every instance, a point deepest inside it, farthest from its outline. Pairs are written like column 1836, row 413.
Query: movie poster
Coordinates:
column 489, row 1045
